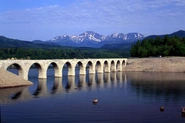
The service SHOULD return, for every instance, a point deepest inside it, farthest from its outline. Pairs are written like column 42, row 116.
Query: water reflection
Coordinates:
column 17, row 95
column 162, row 86
column 81, row 82
column 91, row 80
column 41, row 88
column 10, row 95
column 57, row 86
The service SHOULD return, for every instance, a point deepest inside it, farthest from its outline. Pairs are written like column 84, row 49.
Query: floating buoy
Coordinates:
column 161, row 108
column 183, row 110
column 95, row 101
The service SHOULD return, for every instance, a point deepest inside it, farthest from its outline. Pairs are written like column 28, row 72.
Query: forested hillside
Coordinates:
column 17, row 49
column 167, row 46
column 58, row 53
column 15, row 43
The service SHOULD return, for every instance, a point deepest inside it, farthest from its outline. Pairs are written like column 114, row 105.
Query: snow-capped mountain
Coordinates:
column 86, row 36
column 124, row 37
column 92, row 39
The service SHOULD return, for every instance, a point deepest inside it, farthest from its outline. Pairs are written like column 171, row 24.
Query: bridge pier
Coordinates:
column 100, row 71
column 42, row 73
column 71, row 72
column 113, row 69
column 107, row 69
column 58, row 72
column 82, row 71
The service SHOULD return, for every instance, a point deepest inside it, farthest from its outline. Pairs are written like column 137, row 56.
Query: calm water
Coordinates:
column 123, row 98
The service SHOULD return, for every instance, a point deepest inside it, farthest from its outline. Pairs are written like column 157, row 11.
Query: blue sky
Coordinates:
column 45, row 19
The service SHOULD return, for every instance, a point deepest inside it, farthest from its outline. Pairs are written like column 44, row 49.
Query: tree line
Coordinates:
column 58, row 53
column 167, row 46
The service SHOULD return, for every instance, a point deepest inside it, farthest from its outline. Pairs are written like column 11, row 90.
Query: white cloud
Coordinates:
column 108, row 16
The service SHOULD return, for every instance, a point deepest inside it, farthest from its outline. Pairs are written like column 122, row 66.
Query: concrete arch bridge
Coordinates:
column 93, row 66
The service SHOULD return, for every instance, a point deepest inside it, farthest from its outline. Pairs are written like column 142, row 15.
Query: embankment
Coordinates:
column 8, row 79
column 163, row 64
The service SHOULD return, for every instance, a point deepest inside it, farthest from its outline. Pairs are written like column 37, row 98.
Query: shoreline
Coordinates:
column 156, row 64
column 10, row 80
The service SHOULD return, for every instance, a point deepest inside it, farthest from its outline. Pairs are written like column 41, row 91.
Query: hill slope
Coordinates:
column 180, row 33
column 12, row 43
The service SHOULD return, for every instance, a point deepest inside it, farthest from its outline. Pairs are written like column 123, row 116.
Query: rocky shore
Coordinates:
column 156, row 64
column 8, row 79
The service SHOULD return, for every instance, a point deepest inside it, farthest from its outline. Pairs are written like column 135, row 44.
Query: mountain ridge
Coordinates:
column 16, row 43
column 113, row 44
column 93, row 39
column 179, row 33
column 127, row 46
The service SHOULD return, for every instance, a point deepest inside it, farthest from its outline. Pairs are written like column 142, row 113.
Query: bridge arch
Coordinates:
column 123, row 63
column 106, row 67
column 118, row 66
column 99, row 68
column 113, row 66
column 90, row 67
column 71, row 70
column 57, row 71
column 18, row 67
column 81, row 68
column 41, row 70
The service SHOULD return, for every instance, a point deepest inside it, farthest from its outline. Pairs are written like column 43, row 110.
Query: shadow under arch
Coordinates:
column 106, row 67
column 112, row 66
column 79, row 69
column 52, row 69
column 123, row 64
column 89, row 68
column 98, row 67
column 36, row 70
column 15, row 69
column 67, row 69
column 118, row 66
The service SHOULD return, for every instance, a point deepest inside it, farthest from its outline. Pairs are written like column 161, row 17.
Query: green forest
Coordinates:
column 59, row 53
column 148, row 47
column 167, row 46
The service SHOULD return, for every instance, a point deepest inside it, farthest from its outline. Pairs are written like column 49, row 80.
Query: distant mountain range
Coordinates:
column 127, row 46
column 93, row 39
column 116, row 41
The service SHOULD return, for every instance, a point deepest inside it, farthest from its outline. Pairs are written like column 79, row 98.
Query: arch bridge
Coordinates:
column 84, row 65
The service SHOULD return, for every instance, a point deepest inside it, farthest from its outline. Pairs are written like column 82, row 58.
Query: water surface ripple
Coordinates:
column 122, row 98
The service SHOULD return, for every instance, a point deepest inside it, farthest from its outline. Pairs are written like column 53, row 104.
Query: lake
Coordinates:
column 133, row 97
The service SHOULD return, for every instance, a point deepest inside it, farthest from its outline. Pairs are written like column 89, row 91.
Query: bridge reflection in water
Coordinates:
column 162, row 86
column 63, row 85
